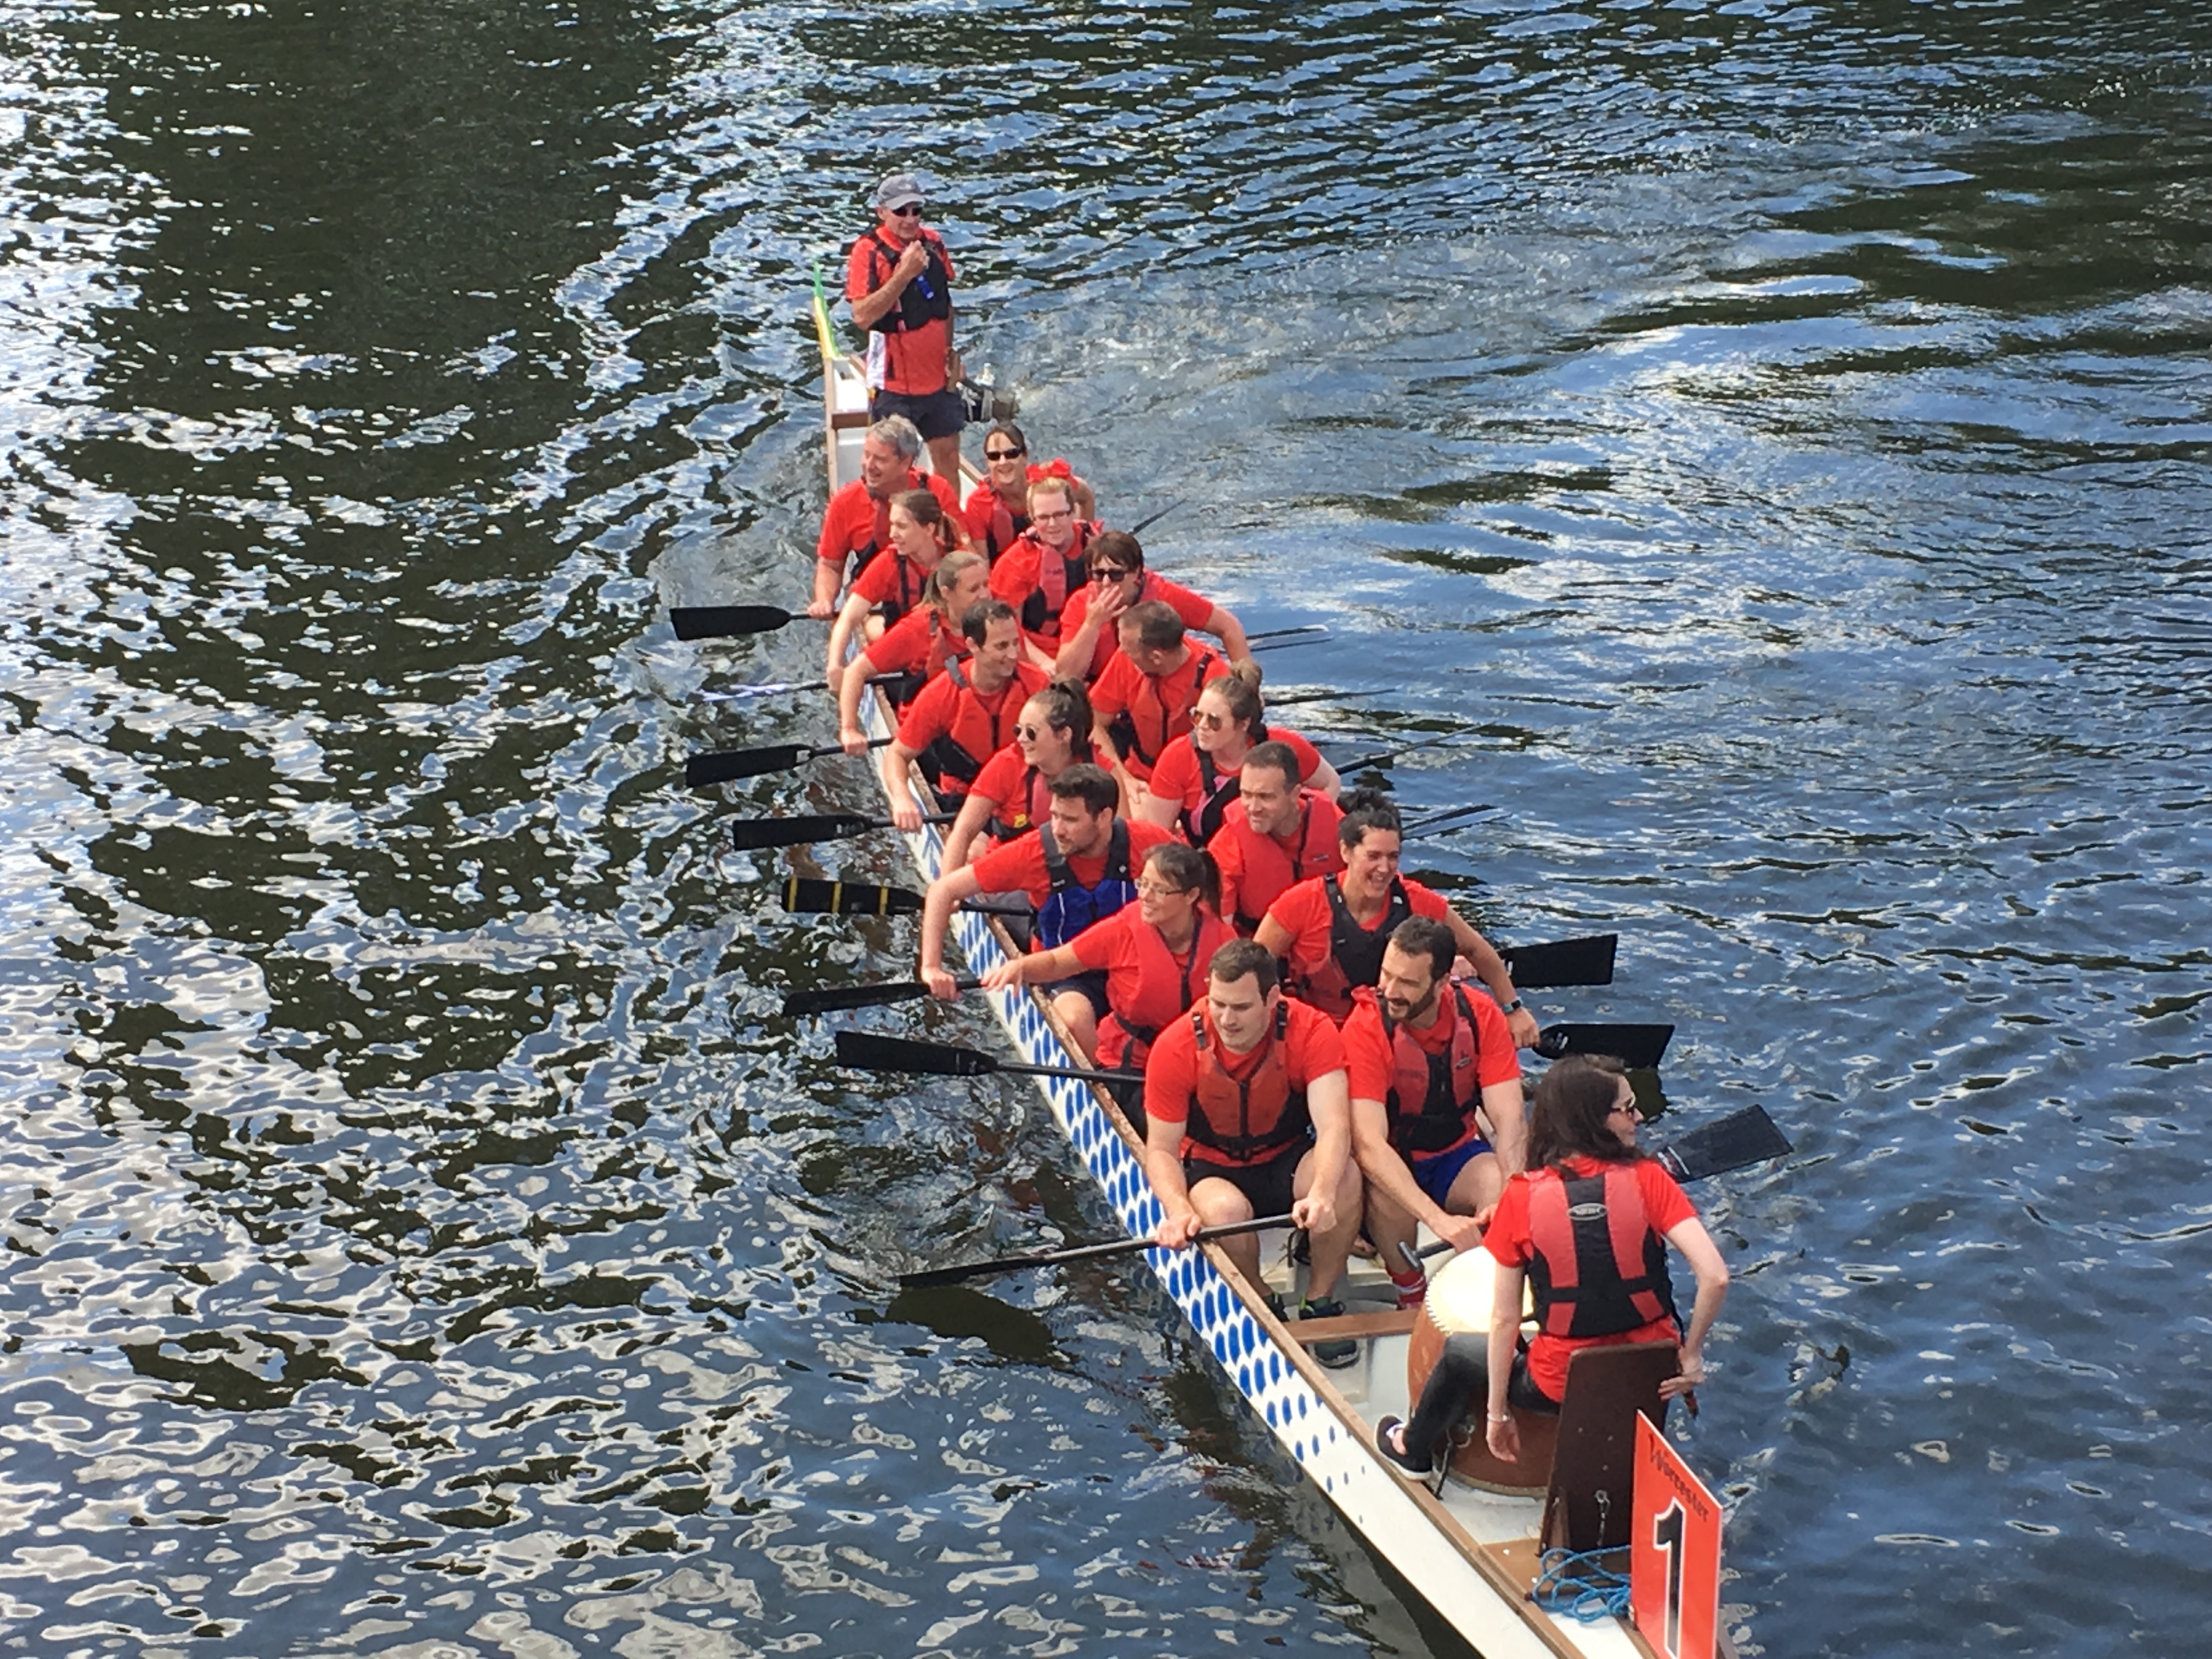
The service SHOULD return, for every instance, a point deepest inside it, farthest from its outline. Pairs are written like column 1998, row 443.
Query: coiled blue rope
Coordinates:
column 1578, row 1585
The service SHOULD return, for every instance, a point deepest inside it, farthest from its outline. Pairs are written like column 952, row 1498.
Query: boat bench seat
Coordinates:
column 1360, row 1326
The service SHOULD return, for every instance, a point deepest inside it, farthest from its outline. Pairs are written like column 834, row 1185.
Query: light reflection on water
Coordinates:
column 1780, row 438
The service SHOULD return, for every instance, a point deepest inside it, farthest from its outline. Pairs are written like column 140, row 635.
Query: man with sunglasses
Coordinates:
column 1143, row 700
column 899, row 279
column 1089, row 637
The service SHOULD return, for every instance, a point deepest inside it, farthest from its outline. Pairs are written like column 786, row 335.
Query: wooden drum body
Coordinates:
column 1459, row 1303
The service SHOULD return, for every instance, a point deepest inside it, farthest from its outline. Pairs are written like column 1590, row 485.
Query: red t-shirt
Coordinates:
column 1318, row 840
column 1367, row 1047
column 1178, row 777
column 911, row 361
column 1016, row 573
column 1157, row 706
column 1665, row 1207
column 1312, row 1049
column 1192, row 607
column 856, row 519
column 1304, row 913
column 1118, row 946
column 917, row 643
column 939, row 711
column 1018, row 866
column 891, row 577
column 993, row 534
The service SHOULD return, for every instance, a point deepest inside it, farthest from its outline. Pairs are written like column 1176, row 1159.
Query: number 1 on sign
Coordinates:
column 1674, row 1551
column 1667, row 1537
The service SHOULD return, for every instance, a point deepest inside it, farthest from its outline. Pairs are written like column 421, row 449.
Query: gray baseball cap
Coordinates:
column 898, row 190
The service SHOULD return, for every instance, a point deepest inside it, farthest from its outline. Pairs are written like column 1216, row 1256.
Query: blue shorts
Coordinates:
column 1436, row 1174
column 1090, row 985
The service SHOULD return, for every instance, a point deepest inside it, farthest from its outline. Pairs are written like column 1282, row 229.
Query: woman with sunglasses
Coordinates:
column 1587, row 1225
column 918, row 645
column 1090, row 636
column 998, row 509
column 1154, row 954
column 922, row 533
column 1198, row 775
column 1012, row 793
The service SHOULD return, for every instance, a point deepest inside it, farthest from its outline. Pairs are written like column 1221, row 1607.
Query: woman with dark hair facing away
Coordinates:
column 918, row 644
column 921, row 534
column 1587, row 1226
column 1154, row 954
column 1013, row 792
column 1201, row 773
column 998, row 509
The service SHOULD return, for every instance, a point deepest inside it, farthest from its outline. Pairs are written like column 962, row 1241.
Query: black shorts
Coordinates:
column 936, row 414
column 1267, row 1188
column 1092, row 986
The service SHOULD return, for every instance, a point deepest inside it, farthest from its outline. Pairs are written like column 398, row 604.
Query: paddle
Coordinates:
column 1735, row 1142
column 1286, row 632
column 731, row 764
column 1639, row 1048
column 865, row 1051
column 1346, row 769
column 804, row 896
column 1079, row 1252
column 722, row 622
column 1564, row 962
column 898, row 687
column 1450, row 814
column 1298, row 637
column 1154, row 518
column 802, row 1005
column 752, row 835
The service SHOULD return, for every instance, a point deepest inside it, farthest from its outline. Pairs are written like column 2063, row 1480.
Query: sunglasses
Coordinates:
column 1004, row 454
column 910, row 211
column 1211, row 722
column 1029, row 733
column 1110, row 573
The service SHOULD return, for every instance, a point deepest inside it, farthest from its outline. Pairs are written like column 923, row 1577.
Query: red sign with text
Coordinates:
column 1674, row 1551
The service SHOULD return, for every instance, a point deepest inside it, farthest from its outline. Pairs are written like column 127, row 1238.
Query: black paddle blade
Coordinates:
column 702, row 770
column 804, row 896
column 720, row 621
column 751, row 834
column 1735, row 1142
column 799, row 1005
column 1636, row 1047
column 1566, row 962
column 864, row 1051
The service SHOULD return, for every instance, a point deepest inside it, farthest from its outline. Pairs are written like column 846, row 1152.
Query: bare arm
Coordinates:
column 1324, row 780
column 1159, row 809
column 840, row 637
column 906, row 813
column 1505, row 1105
column 1276, row 937
column 1077, row 650
column 852, row 686
column 937, row 906
column 1698, row 1248
column 1387, row 1172
column 827, row 573
column 975, row 812
column 1504, row 1434
column 1223, row 626
column 1164, row 1169
column 871, row 308
column 1490, row 968
column 1329, row 1102
column 1037, row 968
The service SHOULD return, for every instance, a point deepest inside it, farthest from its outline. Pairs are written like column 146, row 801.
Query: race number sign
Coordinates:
column 1674, row 1551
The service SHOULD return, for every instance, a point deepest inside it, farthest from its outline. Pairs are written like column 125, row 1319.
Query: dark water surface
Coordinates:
column 1780, row 434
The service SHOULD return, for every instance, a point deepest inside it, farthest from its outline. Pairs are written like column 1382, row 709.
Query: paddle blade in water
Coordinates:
column 703, row 770
column 865, row 1051
column 1735, row 1142
column 1565, row 962
column 1637, row 1047
column 805, row 896
column 720, row 621
column 752, row 835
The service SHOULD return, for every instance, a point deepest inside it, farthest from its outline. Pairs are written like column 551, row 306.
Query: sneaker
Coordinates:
column 1338, row 1352
column 1390, row 1441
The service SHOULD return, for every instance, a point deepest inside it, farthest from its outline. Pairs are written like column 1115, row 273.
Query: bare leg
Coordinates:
column 1389, row 1225
column 1330, row 1248
column 1082, row 1020
column 1475, row 1188
column 944, row 458
column 1219, row 1203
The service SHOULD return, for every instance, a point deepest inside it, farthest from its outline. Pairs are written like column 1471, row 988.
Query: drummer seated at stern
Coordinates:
column 1437, row 1121
column 1247, row 1116
column 1586, row 1226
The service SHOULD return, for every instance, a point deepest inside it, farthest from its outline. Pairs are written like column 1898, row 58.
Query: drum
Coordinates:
column 1459, row 1303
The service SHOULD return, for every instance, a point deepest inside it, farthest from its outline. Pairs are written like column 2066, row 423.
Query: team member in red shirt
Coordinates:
column 921, row 533
column 857, row 522
column 1202, row 772
column 1426, row 1059
column 899, row 279
column 1247, row 1115
column 1332, row 930
column 1600, row 1278
column 1078, row 868
column 1089, row 639
column 963, row 716
column 918, row 645
column 998, row 509
column 1154, row 954
column 1273, row 835
column 1045, row 565
column 1012, row 793
column 1142, row 703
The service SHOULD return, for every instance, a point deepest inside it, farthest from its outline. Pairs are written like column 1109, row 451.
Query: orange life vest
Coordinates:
column 1597, row 1268
column 1432, row 1097
column 1166, row 984
column 1270, row 1116
column 1269, row 871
